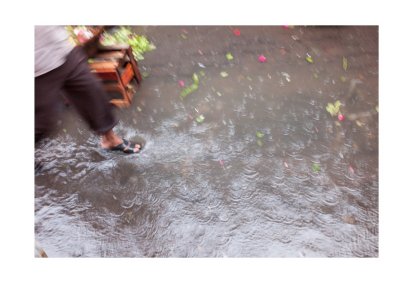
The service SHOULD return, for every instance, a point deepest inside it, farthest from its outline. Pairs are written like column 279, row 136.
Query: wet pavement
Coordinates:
column 266, row 171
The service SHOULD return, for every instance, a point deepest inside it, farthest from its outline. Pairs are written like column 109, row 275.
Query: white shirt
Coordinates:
column 52, row 46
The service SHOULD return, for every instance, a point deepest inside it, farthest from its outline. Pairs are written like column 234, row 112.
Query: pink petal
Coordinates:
column 182, row 83
column 236, row 31
column 262, row 59
column 341, row 117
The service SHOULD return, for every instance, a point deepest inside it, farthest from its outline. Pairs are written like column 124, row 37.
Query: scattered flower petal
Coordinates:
column 182, row 83
column 236, row 32
column 286, row 75
column 262, row 58
column 201, row 65
column 340, row 117
column 224, row 74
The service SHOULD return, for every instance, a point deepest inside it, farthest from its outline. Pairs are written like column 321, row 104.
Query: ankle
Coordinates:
column 110, row 139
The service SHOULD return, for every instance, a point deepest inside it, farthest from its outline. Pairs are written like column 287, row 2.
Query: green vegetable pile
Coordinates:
column 124, row 35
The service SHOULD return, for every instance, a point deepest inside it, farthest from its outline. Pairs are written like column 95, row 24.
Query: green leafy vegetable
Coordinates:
column 229, row 56
column 260, row 134
column 124, row 35
column 333, row 109
column 195, row 79
column 188, row 90
column 316, row 167
column 345, row 64
column 200, row 119
column 309, row 59
column 193, row 87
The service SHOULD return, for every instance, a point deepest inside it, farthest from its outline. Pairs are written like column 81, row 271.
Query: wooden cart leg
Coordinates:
column 138, row 76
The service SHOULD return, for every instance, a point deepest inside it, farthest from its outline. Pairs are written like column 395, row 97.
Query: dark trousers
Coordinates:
column 82, row 89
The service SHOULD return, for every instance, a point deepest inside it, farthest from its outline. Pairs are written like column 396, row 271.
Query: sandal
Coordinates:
column 126, row 147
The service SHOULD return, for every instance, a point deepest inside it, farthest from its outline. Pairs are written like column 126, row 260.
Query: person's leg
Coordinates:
column 47, row 99
column 86, row 92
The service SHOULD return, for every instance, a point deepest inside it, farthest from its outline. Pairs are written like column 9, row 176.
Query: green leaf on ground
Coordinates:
column 229, row 56
column 345, row 64
column 260, row 134
column 316, row 167
column 195, row 79
column 188, row 90
column 309, row 59
column 333, row 109
column 200, row 119
column 193, row 87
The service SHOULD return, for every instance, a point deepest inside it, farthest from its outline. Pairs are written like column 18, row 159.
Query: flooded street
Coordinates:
column 251, row 164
